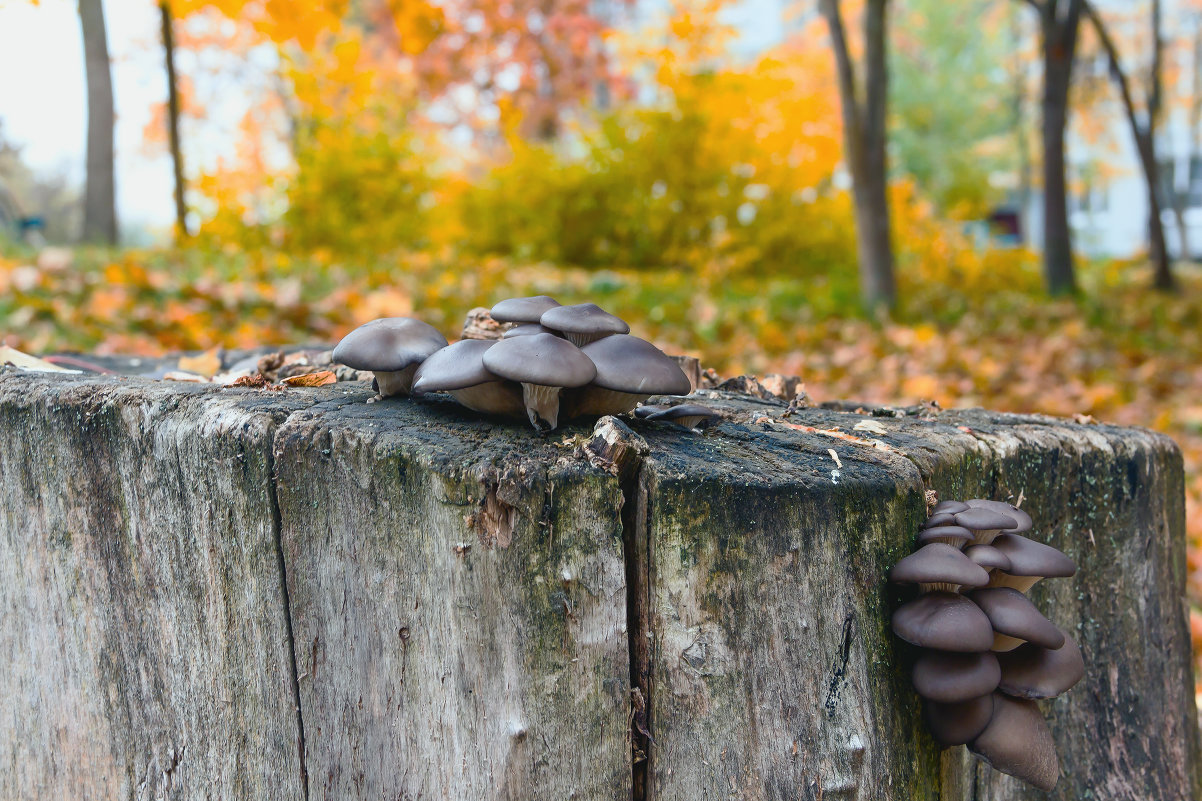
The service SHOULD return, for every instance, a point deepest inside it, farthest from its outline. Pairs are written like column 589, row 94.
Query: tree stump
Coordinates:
column 234, row 593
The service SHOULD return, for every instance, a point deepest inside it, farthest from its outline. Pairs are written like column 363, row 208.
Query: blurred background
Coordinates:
column 980, row 202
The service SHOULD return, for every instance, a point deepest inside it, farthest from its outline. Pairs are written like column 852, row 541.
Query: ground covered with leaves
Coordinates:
column 972, row 331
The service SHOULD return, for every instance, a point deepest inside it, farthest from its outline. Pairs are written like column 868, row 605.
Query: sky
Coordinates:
column 43, row 105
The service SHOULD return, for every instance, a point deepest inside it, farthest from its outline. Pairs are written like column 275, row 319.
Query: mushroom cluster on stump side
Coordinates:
column 549, row 363
column 986, row 652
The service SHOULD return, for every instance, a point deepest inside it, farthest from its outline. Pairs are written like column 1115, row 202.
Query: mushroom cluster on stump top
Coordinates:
column 551, row 363
column 986, row 652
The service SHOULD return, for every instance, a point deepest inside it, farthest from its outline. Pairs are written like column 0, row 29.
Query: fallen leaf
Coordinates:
column 870, row 425
column 318, row 379
column 206, row 364
column 180, row 375
column 26, row 362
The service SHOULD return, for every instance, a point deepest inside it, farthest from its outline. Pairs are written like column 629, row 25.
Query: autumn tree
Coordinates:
column 173, row 114
column 100, row 206
column 864, row 103
column 1144, row 133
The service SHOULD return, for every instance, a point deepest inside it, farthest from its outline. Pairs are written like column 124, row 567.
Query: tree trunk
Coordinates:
column 865, row 138
column 235, row 593
column 1059, row 48
column 100, row 204
column 177, row 156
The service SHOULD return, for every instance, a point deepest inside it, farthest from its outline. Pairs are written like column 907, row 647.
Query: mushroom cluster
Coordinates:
column 552, row 362
column 987, row 654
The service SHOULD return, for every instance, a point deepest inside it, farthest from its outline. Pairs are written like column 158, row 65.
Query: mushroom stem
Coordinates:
column 492, row 397
column 397, row 382
column 542, row 405
column 594, row 401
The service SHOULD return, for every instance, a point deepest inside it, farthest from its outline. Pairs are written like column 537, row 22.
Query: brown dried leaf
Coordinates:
column 318, row 379
column 206, row 364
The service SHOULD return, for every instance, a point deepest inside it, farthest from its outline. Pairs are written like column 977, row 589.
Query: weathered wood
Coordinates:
column 464, row 608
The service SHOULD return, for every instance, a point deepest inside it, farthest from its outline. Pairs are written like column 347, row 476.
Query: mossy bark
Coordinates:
column 236, row 593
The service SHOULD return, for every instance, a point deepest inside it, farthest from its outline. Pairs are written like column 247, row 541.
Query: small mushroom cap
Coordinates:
column 525, row 330
column 541, row 359
column 629, row 364
column 1018, row 742
column 958, row 723
column 584, row 318
column 977, row 519
column 949, row 678
column 945, row 621
column 939, row 519
column 646, row 411
column 1030, row 558
column 678, row 412
column 454, row 367
column 523, row 310
column 1011, row 613
column 1010, row 510
column 938, row 563
column 388, row 345
column 988, row 557
column 951, row 507
column 1033, row 672
column 944, row 533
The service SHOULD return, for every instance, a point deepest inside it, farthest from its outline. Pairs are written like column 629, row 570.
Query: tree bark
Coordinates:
column 177, row 156
column 865, row 138
column 100, row 204
column 236, row 593
column 1059, row 51
column 1145, row 144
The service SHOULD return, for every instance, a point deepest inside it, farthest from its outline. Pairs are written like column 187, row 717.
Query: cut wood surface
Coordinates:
column 237, row 593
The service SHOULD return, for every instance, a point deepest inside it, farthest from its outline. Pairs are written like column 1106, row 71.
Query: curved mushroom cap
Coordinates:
column 979, row 519
column 1033, row 672
column 584, row 322
column 941, row 564
column 646, row 411
column 988, row 557
column 944, row 621
column 388, row 344
column 454, row 367
column 939, row 519
column 950, row 678
column 951, row 507
column 523, row 310
column 525, row 330
column 1018, row 742
column 951, row 535
column 1010, row 510
column 542, row 359
column 689, row 415
column 1013, row 615
column 958, row 723
column 1030, row 558
column 629, row 364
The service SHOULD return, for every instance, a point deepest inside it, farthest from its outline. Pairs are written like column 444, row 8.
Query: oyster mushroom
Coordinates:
column 688, row 415
column 953, row 678
column 1015, row 619
column 583, row 323
column 988, row 557
column 459, row 370
column 629, row 371
column 985, row 524
column 1030, row 561
column 1018, row 742
column 1001, row 507
column 944, row 621
column 392, row 348
column 522, row 310
column 526, row 329
column 938, row 566
column 956, row 536
column 544, row 365
column 1036, row 673
column 960, row 722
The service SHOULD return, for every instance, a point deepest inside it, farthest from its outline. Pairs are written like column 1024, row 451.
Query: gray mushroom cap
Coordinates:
column 454, row 367
column 941, row 565
column 979, row 519
column 389, row 344
column 945, row 621
column 1014, row 617
column 1018, row 742
column 988, row 557
column 690, row 415
column 583, row 322
column 950, row 678
column 1030, row 561
column 951, row 507
column 1034, row 673
column 951, row 535
column 958, row 723
column 939, row 519
column 1010, row 510
column 525, row 330
column 629, row 364
column 523, row 310
column 542, row 359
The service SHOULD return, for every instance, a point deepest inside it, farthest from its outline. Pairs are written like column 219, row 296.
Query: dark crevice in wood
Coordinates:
column 276, row 531
column 635, row 548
